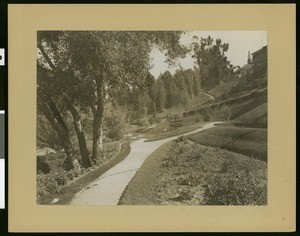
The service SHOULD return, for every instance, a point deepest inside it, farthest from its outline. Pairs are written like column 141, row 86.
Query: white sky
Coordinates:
column 240, row 42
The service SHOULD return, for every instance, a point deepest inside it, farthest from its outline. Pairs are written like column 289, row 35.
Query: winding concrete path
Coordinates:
column 108, row 188
column 209, row 95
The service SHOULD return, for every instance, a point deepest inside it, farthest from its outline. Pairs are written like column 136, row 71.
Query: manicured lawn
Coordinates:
column 187, row 173
column 247, row 141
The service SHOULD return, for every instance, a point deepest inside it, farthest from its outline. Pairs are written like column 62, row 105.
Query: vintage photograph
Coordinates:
column 152, row 118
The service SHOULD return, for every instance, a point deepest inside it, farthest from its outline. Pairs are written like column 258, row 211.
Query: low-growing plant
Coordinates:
column 237, row 188
column 51, row 182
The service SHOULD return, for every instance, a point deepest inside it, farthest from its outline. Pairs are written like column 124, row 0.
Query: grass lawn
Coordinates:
column 162, row 130
column 257, row 117
column 223, row 88
column 243, row 108
column 187, row 173
column 247, row 141
column 67, row 193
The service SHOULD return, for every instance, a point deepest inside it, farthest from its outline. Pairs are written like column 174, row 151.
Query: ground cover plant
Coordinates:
column 58, row 174
column 187, row 173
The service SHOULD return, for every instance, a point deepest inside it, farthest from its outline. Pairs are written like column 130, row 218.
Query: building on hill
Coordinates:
column 247, row 70
column 257, row 65
column 235, row 70
column 260, row 60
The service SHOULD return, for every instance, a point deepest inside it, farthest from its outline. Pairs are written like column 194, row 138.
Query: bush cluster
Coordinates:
column 51, row 182
column 60, row 174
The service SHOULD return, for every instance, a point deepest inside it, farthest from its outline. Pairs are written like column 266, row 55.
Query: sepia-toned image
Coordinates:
column 152, row 118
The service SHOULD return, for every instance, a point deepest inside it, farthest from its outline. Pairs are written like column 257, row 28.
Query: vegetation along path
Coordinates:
column 108, row 188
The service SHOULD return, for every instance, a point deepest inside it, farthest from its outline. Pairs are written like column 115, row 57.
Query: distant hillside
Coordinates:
column 223, row 88
column 246, row 99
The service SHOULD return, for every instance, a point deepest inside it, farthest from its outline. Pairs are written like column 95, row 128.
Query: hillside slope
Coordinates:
column 257, row 117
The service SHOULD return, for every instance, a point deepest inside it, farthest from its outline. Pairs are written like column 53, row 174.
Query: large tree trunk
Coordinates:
column 53, row 115
column 98, row 128
column 60, row 128
column 80, row 135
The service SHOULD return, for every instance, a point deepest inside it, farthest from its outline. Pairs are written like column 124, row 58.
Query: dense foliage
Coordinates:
column 79, row 71
column 60, row 175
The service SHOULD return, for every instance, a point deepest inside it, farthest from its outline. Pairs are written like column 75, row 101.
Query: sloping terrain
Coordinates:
column 223, row 88
column 247, row 141
column 257, row 117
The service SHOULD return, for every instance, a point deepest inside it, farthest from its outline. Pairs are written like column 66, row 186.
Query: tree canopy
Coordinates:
column 79, row 71
column 212, row 62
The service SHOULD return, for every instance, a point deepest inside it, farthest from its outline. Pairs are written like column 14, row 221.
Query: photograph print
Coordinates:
column 152, row 118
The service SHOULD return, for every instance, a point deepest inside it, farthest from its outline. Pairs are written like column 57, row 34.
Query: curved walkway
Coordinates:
column 108, row 188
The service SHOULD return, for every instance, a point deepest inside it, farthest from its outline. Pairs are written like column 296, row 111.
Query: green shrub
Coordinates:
column 70, row 175
column 51, row 182
column 61, row 178
column 109, row 150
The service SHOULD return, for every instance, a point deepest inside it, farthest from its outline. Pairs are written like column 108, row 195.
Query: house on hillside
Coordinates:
column 260, row 60
column 257, row 65
column 235, row 70
column 246, row 70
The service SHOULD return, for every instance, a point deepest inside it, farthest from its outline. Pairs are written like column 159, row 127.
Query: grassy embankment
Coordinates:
column 163, row 130
column 251, row 142
column 257, row 117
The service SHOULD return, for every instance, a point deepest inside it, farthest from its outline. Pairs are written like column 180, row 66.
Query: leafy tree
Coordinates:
column 175, row 121
column 60, row 78
column 181, row 95
column 227, row 113
column 102, row 61
column 115, row 123
column 170, row 88
column 47, row 107
column 190, row 82
column 197, row 82
column 211, row 60
column 157, row 94
column 161, row 96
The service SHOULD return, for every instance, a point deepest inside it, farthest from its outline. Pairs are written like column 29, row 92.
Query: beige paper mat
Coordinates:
column 278, row 20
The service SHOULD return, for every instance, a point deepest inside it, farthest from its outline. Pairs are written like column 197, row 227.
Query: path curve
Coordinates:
column 209, row 95
column 108, row 188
